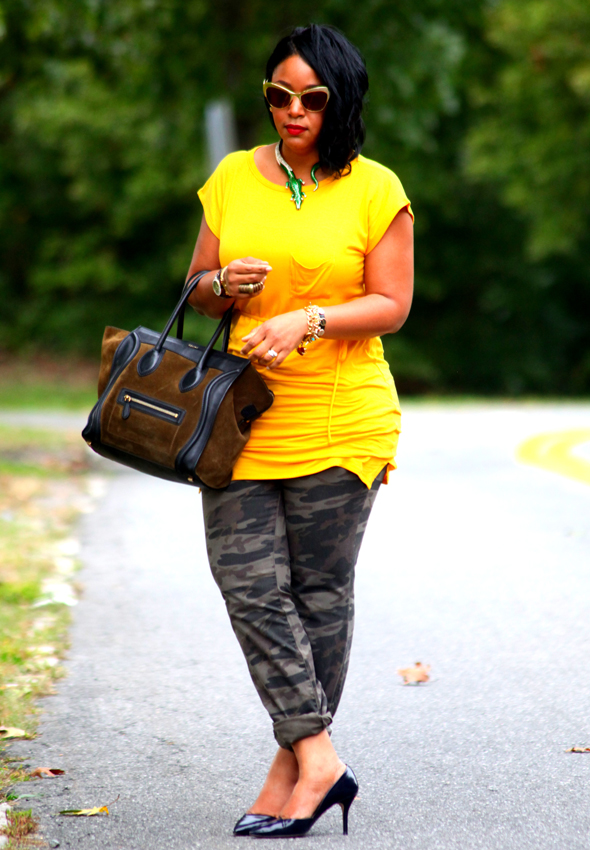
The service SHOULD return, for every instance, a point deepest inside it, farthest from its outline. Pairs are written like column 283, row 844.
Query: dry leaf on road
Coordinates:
column 578, row 750
column 85, row 812
column 40, row 772
column 11, row 732
column 416, row 674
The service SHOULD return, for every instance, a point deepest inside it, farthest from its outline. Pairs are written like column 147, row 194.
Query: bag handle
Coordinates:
column 151, row 359
column 178, row 312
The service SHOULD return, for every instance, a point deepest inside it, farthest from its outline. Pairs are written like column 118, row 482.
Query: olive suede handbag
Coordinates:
column 174, row 409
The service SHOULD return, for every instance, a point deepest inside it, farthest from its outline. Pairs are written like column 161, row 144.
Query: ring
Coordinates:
column 250, row 288
column 272, row 353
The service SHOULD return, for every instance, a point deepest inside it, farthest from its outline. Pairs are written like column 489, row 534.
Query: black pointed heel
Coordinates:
column 342, row 793
column 249, row 821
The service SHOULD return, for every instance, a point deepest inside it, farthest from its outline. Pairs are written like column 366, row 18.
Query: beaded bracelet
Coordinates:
column 316, row 325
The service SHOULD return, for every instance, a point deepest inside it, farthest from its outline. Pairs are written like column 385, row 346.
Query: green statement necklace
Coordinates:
column 294, row 184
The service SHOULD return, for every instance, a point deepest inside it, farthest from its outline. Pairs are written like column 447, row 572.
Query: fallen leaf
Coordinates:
column 46, row 771
column 97, row 810
column 578, row 750
column 416, row 674
column 11, row 732
column 85, row 812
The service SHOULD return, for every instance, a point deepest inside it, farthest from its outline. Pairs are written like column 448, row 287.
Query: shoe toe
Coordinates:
column 250, row 821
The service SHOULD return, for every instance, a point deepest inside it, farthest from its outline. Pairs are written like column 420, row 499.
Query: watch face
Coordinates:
column 217, row 286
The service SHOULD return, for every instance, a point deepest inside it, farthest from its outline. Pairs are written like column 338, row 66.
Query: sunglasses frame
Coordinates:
column 298, row 94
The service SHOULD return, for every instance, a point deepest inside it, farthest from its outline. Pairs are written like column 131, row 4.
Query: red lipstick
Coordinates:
column 294, row 129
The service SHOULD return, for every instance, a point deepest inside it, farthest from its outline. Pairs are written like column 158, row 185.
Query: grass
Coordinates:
column 44, row 485
column 33, row 383
column 20, row 827
column 41, row 487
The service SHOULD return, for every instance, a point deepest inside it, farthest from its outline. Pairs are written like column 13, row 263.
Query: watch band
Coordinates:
column 218, row 284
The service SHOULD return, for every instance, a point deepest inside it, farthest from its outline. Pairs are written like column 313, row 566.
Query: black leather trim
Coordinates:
column 149, row 362
column 126, row 351
column 191, row 379
column 189, row 456
column 142, row 465
column 219, row 360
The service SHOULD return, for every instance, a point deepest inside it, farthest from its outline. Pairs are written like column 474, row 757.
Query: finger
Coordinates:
column 253, row 261
column 254, row 277
column 277, row 361
column 250, row 344
column 253, row 268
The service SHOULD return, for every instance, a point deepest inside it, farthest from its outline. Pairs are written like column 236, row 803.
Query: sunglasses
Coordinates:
column 313, row 99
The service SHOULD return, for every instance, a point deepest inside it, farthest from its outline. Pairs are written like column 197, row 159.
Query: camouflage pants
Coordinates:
column 283, row 555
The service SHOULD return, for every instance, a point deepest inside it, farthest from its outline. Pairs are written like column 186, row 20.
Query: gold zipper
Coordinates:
column 129, row 398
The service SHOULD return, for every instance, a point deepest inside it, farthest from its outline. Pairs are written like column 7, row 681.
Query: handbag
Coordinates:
column 174, row 409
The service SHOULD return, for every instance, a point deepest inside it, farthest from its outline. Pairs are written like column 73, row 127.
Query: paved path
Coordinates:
column 472, row 563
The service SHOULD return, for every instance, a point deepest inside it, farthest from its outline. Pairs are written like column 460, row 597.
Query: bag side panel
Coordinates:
column 110, row 342
column 223, row 448
column 250, row 390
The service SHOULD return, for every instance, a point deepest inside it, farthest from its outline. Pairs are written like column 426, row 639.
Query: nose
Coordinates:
column 296, row 107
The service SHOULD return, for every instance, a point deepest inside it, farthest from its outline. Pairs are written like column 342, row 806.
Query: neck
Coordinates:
column 299, row 162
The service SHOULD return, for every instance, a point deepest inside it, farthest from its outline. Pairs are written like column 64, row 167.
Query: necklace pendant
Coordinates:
column 297, row 193
column 294, row 184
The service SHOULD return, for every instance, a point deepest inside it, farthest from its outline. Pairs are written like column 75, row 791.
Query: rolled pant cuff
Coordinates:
column 292, row 729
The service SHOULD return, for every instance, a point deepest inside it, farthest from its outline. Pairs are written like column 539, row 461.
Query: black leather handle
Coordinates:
column 178, row 312
column 225, row 326
column 150, row 361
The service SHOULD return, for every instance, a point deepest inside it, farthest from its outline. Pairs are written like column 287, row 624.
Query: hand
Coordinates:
column 281, row 334
column 246, row 270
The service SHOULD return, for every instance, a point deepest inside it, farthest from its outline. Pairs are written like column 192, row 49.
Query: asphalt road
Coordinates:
column 473, row 563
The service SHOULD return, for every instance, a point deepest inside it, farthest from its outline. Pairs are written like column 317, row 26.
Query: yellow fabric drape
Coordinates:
column 337, row 405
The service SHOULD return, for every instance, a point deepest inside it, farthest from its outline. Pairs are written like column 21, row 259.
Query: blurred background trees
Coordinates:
column 483, row 109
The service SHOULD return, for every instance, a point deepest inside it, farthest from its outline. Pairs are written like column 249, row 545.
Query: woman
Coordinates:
column 319, row 266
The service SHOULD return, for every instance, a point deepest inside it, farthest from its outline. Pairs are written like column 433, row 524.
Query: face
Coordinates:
column 298, row 128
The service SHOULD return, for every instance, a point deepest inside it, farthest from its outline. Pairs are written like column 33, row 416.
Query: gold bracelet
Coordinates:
column 316, row 325
column 223, row 281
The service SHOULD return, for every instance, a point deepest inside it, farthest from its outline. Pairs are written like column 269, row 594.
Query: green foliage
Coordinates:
column 482, row 110
column 533, row 135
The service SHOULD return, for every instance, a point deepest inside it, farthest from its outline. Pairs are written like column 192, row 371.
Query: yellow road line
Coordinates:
column 555, row 452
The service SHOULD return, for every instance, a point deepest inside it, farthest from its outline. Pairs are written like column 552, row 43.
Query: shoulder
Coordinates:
column 232, row 164
column 377, row 178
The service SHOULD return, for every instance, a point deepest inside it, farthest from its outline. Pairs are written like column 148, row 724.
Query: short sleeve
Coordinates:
column 387, row 199
column 213, row 195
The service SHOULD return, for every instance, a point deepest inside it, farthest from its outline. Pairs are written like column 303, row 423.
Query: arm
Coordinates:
column 389, row 281
column 206, row 256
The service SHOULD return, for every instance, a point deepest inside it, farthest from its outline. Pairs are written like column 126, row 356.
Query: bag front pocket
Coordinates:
column 132, row 400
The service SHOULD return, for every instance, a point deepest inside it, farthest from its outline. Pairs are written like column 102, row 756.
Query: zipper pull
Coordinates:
column 126, row 407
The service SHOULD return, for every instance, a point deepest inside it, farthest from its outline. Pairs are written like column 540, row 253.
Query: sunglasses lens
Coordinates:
column 278, row 98
column 315, row 101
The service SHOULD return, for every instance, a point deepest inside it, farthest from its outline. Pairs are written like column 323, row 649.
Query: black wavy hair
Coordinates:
column 341, row 68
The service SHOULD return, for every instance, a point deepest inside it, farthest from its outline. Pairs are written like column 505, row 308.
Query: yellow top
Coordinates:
column 336, row 405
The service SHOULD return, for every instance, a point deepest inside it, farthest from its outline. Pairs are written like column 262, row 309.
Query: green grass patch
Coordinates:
column 34, row 383
column 46, row 397
column 42, row 486
column 41, row 453
column 20, row 826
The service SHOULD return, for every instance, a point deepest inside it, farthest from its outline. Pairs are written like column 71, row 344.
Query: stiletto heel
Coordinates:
column 342, row 793
column 345, row 809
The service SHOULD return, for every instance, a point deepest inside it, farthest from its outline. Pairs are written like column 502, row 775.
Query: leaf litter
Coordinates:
column 415, row 675
column 88, row 813
column 40, row 772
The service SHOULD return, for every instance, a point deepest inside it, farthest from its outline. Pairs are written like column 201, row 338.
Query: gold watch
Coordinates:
column 219, row 284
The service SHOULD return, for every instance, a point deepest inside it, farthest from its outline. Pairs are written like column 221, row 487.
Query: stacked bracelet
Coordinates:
column 316, row 325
